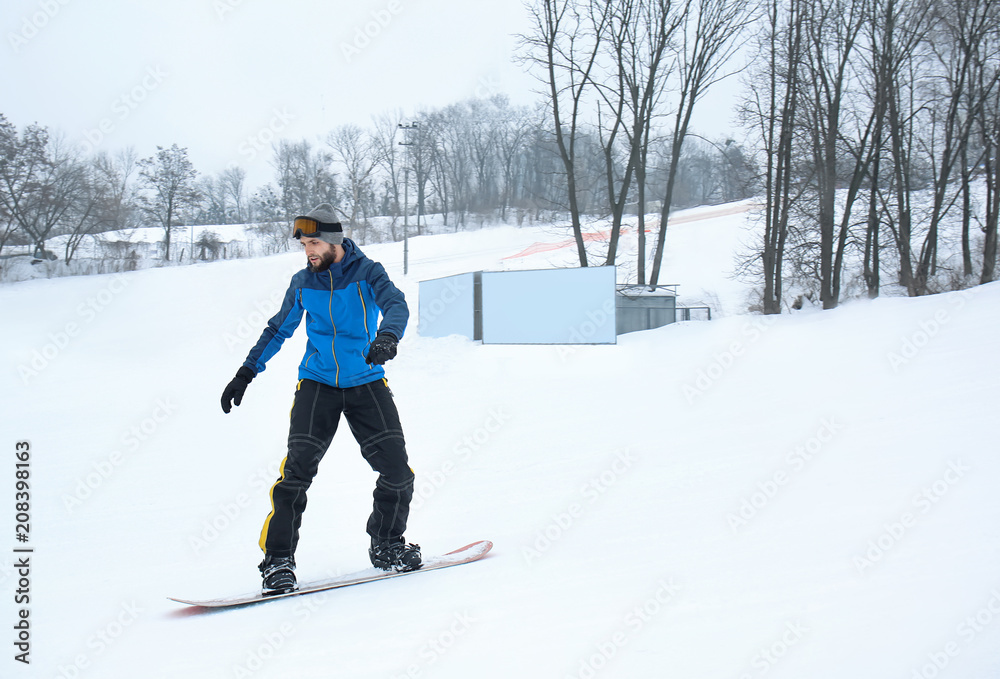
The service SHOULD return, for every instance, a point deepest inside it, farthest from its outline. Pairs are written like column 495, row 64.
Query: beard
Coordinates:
column 326, row 259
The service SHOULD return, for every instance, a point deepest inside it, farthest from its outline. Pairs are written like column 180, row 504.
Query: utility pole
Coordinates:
column 406, row 193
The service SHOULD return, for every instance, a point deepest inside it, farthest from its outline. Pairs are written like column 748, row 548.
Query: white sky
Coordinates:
column 222, row 77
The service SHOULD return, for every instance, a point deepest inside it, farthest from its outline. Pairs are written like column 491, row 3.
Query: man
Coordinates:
column 341, row 292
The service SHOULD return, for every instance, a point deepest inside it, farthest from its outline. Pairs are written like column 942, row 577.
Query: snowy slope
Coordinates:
column 806, row 496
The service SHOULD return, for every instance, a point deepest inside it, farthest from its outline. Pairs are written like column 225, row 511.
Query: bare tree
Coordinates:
column 356, row 154
column 658, row 22
column 565, row 45
column 42, row 180
column 390, row 161
column 169, row 177
column 107, row 203
column 966, row 25
column 482, row 131
column 114, row 176
column 882, row 63
column 458, row 139
column 111, row 202
column 772, row 112
column 421, row 148
column 905, row 71
column 833, row 30
column 709, row 40
column 14, row 176
column 637, row 36
column 213, row 204
column 303, row 177
column 438, row 159
column 989, row 131
column 7, row 227
column 232, row 183
column 514, row 127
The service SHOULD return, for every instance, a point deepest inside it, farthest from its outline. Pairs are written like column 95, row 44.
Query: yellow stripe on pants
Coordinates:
column 270, row 493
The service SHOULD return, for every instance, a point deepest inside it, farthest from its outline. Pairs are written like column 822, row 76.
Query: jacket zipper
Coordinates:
column 333, row 342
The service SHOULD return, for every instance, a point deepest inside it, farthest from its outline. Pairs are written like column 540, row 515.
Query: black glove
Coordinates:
column 233, row 395
column 383, row 348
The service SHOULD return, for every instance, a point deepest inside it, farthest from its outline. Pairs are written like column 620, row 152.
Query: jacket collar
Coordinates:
column 336, row 270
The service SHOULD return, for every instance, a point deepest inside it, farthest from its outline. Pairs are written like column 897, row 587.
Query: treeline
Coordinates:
column 872, row 125
column 877, row 125
column 623, row 79
column 49, row 188
column 467, row 163
column 872, row 133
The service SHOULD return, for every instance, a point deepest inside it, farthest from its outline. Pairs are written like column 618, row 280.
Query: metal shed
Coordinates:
column 643, row 307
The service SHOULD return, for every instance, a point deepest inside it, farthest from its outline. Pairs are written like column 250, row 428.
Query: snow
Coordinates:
column 811, row 495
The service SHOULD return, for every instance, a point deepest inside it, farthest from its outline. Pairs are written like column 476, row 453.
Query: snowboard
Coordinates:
column 467, row 554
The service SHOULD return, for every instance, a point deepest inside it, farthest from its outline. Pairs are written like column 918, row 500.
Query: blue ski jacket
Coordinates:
column 342, row 306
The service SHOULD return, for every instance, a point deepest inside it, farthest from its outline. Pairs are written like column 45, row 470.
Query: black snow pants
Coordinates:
column 373, row 419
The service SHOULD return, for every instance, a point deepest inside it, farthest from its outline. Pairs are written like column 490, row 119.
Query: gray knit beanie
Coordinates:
column 330, row 229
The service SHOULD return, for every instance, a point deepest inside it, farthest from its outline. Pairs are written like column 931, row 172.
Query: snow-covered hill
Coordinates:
column 806, row 496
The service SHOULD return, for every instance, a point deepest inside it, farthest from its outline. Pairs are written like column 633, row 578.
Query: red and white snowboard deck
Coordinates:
column 467, row 554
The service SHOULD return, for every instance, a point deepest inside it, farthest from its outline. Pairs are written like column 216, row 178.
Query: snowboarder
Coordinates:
column 342, row 292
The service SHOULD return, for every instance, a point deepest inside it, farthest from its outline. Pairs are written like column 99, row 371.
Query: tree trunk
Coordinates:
column 640, row 178
column 871, row 263
column 966, row 172
column 991, row 159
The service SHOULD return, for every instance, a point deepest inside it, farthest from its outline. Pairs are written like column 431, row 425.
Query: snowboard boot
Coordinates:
column 278, row 573
column 394, row 555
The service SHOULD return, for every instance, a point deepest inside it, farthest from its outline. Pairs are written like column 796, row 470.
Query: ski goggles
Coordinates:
column 309, row 227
